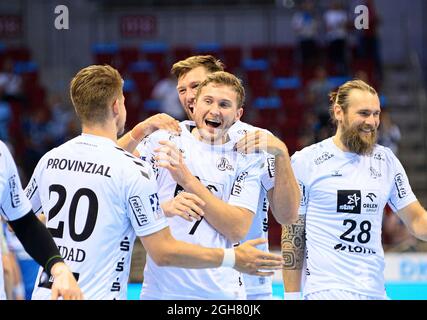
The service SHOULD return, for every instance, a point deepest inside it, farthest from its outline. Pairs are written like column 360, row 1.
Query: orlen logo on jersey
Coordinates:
column 223, row 164
column 138, row 210
column 349, row 201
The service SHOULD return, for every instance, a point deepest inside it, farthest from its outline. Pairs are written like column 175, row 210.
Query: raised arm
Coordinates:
column 284, row 198
column 230, row 220
column 131, row 139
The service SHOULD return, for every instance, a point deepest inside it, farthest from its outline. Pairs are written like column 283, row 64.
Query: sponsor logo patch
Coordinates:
column 271, row 165
column 324, row 157
column 138, row 210
column 14, row 191
column 400, row 185
column 239, row 184
column 349, row 201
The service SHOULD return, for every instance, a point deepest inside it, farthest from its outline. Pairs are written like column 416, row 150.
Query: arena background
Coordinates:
column 44, row 43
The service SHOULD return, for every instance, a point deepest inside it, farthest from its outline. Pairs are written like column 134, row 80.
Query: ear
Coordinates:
column 239, row 113
column 115, row 107
column 338, row 113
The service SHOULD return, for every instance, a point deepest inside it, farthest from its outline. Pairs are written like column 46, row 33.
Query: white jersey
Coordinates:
column 230, row 176
column 14, row 204
column 96, row 197
column 343, row 197
column 259, row 228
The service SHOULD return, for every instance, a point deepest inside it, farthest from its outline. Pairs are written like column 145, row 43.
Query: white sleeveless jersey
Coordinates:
column 230, row 176
column 13, row 204
column 343, row 197
column 259, row 227
column 96, row 197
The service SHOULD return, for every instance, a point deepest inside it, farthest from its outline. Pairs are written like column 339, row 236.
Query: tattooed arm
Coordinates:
column 293, row 252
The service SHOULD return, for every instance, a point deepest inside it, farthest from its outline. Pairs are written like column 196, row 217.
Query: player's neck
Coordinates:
column 337, row 141
column 220, row 140
column 102, row 131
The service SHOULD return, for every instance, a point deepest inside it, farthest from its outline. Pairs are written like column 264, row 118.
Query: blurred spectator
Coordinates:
column 58, row 124
column 388, row 132
column 38, row 139
column 317, row 100
column 10, row 83
column 395, row 235
column 305, row 24
column 336, row 22
column 368, row 40
column 5, row 117
column 166, row 94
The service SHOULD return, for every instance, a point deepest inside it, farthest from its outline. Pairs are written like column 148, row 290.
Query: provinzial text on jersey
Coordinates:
column 78, row 166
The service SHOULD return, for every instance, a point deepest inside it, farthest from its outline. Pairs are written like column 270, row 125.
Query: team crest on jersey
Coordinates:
column 14, row 192
column 223, row 164
column 400, row 185
column 239, row 184
column 349, row 201
column 242, row 131
column 379, row 156
column 138, row 210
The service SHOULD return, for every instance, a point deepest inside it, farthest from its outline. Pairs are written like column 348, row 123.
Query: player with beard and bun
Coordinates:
column 345, row 182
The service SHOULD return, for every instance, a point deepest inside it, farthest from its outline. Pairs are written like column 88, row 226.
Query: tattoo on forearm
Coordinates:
column 293, row 244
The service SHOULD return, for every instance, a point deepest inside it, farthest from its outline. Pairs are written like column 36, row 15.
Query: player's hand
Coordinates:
column 153, row 123
column 64, row 283
column 185, row 205
column 256, row 262
column 258, row 141
column 169, row 157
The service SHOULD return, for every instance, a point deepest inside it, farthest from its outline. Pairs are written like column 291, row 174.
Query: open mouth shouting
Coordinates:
column 212, row 123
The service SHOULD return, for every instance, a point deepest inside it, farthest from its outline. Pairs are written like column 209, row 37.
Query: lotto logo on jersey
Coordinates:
column 138, row 210
column 349, row 201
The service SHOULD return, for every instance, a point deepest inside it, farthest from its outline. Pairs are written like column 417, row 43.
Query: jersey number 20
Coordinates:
column 91, row 214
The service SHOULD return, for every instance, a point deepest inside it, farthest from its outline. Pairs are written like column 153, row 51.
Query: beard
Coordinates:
column 355, row 141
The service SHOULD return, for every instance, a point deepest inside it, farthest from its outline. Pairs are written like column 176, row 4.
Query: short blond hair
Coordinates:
column 93, row 89
column 210, row 63
column 227, row 79
column 340, row 96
